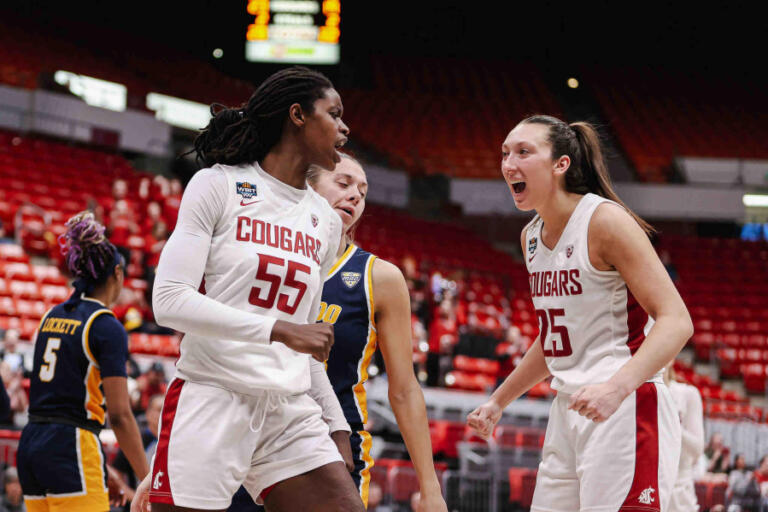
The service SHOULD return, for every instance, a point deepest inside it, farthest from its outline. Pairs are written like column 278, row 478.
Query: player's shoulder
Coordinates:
column 105, row 323
column 386, row 273
column 609, row 215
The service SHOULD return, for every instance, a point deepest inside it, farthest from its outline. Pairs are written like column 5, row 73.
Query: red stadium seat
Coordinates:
column 445, row 436
column 522, row 482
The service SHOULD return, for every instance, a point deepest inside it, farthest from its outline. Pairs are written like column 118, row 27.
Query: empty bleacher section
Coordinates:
column 662, row 114
column 31, row 55
column 446, row 116
column 724, row 282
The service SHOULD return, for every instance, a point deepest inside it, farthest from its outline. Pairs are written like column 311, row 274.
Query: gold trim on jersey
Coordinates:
column 94, row 397
column 365, row 473
column 341, row 261
column 370, row 344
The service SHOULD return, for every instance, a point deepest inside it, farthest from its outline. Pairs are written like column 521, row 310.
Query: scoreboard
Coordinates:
column 294, row 31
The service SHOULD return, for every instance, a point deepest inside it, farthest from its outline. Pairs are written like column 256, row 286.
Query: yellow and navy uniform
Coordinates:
column 60, row 459
column 347, row 302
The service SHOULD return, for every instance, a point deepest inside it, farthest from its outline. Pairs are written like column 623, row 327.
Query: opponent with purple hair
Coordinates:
column 79, row 363
column 91, row 258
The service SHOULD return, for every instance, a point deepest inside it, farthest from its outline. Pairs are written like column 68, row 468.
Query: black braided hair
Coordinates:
column 248, row 133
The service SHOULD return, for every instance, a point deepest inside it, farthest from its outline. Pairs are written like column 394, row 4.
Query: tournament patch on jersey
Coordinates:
column 314, row 220
column 532, row 244
column 245, row 189
column 350, row 279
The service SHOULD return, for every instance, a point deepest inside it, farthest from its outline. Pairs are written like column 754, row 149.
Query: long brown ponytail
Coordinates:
column 588, row 171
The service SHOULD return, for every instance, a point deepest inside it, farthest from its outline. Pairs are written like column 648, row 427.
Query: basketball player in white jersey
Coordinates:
column 691, row 412
column 240, row 409
column 366, row 298
column 613, row 438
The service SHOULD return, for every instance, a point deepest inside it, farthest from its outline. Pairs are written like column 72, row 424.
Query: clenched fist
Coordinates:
column 483, row 419
column 313, row 339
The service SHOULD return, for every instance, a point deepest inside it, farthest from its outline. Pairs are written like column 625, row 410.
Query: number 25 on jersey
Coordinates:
column 548, row 328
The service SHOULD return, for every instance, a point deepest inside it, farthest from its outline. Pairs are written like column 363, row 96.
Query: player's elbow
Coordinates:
column 401, row 392
column 118, row 419
column 164, row 296
column 685, row 325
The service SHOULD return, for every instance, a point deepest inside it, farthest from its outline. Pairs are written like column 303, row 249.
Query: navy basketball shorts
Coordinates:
column 62, row 467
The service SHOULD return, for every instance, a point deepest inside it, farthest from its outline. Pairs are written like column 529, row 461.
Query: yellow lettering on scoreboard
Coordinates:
column 258, row 31
column 329, row 33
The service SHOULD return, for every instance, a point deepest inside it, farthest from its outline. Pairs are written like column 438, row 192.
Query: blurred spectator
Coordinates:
column 132, row 372
column 690, row 411
column 154, row 243
column 5, row 405
column 420, row 346
column 761, row 478
column 375, row 497
column 718, row 456
column 442, row 338
column 97, row 209
column 149, row 436
column 666, row 260
column 408, row 265
column 4, row 238
column 10, row 355
column 12, row 500
column 743, row 491
column 14, row 384
column 172, row 203
column 154, row 215
column 151, row 383
column 122, row 224
column 510, row 351
column 126, row 309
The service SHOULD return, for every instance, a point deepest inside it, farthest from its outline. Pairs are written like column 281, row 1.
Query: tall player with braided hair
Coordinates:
column 251, row 403
column 79, row 362
column 610, row 319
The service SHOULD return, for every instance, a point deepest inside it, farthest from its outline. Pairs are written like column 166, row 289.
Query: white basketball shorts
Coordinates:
column 627, row 463
column 213, row 440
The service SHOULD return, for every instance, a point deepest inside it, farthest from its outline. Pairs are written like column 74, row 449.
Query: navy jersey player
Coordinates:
column 79, row 360
column 366, row 299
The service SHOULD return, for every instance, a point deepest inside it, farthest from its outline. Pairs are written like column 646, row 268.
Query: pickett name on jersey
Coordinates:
column 273, row 235
column 555, row 283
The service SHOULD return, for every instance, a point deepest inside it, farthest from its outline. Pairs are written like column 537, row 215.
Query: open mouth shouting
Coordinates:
column 517, row 185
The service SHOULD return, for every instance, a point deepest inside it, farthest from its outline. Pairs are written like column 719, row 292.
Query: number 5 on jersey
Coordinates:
column 48, row 369
column 547, row 319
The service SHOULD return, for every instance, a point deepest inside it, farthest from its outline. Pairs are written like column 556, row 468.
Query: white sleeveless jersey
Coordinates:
column 589, row 322
column 271, row 246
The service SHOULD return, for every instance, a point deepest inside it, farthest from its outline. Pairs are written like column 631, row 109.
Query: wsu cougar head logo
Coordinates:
column 646, row 497
column 157, row 482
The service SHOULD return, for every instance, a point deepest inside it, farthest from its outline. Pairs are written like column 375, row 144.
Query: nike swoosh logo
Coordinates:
column 246, row 204
column 531, row 258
